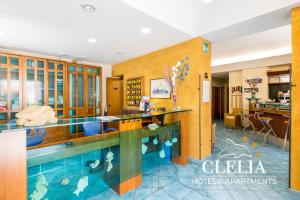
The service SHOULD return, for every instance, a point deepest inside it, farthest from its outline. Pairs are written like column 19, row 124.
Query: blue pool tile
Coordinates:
column 32, row 171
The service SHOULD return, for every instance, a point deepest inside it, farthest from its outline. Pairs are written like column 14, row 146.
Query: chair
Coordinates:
column 91, row 129
column 233, row 119
column 32, row 140
column 35, row 139
column 265, row 121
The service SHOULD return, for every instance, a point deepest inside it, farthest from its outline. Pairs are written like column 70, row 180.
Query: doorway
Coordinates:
column 220, row 95
column 114, row 95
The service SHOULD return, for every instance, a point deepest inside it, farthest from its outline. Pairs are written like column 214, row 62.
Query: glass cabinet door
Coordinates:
column 93, row 91
column 3, row 89
column 10, row 87
column 36, row 76
column 56, row 92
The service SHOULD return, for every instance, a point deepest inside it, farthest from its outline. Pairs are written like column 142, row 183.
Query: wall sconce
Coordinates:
column 206, row 75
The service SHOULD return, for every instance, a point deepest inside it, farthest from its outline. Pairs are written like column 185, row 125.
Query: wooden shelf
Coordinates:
column 134, row 91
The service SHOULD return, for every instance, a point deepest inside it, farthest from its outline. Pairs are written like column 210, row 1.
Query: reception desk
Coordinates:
column 279, row 117
column 63, row 165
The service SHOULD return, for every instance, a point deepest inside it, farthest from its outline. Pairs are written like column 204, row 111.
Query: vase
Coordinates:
column 174, row 98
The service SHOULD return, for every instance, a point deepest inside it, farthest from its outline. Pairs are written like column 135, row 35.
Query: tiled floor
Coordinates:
column 170, row 181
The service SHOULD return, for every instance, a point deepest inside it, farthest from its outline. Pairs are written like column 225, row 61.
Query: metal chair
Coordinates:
column 251, row 122
column 265, row 121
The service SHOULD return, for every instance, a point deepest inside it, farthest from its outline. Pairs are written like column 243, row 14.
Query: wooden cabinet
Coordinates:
column 72, row 90
column 10, row 86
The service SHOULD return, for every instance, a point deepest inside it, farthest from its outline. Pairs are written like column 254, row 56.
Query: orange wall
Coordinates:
column 151, row 67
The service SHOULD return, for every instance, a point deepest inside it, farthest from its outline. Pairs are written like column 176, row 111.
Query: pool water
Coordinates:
column 74, row 168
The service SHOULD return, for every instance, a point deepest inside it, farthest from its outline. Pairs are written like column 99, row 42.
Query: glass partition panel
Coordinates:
column 13, row 115
column 72, row 68
column 60, row 90
column 51, row 65
column 30, row 88
column 60, row 113
column 80, row 69
column 40, row 64
column 80, row 87
column 3, row 88
column 14, row 85
column 90, row 91
column 60, row 66
column 14, row 61
column 3, row 117
column 40, row 87
column 30, row 62
column 98, row 89
column 51, row 89
column 3, row 59
column 72, row 90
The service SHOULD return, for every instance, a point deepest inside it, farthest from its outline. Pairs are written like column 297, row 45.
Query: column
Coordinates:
column 295, row 126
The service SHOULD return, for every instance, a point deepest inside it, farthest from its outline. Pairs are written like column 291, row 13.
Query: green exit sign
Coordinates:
column 205, row 47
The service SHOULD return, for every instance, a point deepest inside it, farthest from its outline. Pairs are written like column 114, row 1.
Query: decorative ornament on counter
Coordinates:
column 168, row 143
column 155, row 141
column 174, row 140
column 153, row 127
column 179, row 72
column 81, row 185
column 40, row 188
column 144, row 149
column 95, row 164
column 36, row 116
column 109, row 158
column 162, row 154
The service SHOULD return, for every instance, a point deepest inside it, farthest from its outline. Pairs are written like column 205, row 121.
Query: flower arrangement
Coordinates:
column 176, row 72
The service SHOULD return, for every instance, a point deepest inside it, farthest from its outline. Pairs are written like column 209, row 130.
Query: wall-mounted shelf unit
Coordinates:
column 134, row 90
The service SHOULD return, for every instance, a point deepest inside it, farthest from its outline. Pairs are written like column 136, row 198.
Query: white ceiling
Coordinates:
column 274, row 42
column 54, row 27
column 197, row 18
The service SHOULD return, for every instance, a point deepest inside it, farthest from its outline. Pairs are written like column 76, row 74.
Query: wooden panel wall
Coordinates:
column 13, row 166
column 295, row 129
column 151, row 67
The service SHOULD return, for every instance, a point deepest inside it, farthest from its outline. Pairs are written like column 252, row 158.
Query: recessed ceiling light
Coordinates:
column 145, row 30
column 92, row 40
column 88, row 8
column 207, row 1
column 120, row 53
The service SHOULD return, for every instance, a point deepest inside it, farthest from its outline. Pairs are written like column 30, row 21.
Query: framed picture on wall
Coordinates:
column 159, row 89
